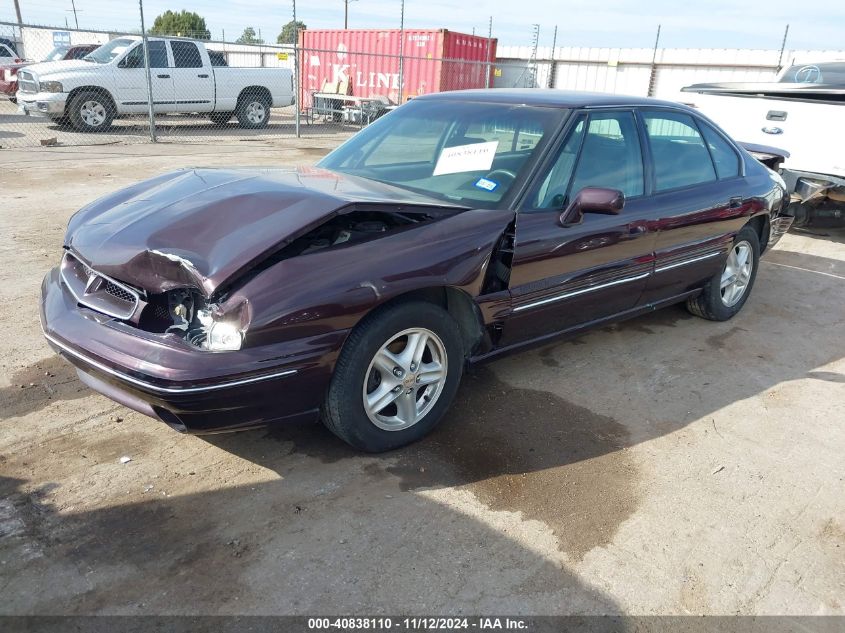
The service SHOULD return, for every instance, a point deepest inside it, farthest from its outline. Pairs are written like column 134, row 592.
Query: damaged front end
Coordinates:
column 183, row 312
column 167, row 293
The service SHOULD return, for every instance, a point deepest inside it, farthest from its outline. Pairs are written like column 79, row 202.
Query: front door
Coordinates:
column 566, row 276
column 130, row 78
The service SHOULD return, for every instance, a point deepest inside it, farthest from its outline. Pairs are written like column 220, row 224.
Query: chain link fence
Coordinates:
column 61, row 86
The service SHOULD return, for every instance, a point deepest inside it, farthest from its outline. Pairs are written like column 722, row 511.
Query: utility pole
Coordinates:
column 75, row 18
column 553, row 65
column 149, row 77
column 18, row 12
column 346, row 13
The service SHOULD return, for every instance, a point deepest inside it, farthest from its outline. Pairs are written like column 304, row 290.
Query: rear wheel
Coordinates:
column 253, row 111
column 727, row 291
column 395, row 378
column 91, row 112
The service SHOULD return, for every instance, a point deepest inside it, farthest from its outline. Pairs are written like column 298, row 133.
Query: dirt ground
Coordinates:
column 664, row 465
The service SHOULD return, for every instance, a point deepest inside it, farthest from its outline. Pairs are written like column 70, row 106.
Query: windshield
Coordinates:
column 471, row 153
column 831, row 73
column 108, row 52
column 57, row 54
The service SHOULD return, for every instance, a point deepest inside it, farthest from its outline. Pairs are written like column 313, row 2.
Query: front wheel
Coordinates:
column 91, row 112
column 727, row 291
column 395, row 378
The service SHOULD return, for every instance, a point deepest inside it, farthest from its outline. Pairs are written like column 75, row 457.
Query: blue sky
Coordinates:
column 610, row 23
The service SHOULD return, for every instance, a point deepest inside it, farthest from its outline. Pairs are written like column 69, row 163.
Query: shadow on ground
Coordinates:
column 336, row 529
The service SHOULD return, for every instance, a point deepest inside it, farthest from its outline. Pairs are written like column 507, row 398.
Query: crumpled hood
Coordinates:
column 202, row 227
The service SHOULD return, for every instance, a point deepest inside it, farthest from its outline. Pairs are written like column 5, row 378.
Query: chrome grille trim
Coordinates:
column 97, row 291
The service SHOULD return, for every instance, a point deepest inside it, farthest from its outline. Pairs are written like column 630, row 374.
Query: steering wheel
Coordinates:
column 507, row 173
column 808, row 75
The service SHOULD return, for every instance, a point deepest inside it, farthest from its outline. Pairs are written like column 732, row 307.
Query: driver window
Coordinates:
column 609, row 157
column 135, row 57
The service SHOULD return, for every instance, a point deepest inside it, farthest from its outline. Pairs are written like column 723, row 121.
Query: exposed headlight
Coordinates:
column 51, row 86
column 223, row 336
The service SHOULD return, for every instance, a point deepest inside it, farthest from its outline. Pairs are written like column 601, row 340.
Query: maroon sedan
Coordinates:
column 462, row 226
column 9, row 72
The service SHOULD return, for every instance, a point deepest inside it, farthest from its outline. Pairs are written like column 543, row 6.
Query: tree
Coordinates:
column 289, row 31
column 249, row 37
column 183, row 23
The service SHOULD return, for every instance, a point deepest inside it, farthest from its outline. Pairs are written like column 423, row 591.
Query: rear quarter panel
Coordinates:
column 230, row 82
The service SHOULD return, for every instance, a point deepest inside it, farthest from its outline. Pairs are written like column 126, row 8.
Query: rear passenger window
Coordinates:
column 726, row 159
column 186, row 55
column 680, row 156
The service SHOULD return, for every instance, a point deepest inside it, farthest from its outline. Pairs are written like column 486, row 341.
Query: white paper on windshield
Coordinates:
column 460, row 158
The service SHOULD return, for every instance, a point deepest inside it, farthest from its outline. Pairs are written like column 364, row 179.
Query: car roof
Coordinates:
column 548, row 97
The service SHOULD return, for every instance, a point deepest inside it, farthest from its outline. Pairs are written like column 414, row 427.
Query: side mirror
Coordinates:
column 593, row 200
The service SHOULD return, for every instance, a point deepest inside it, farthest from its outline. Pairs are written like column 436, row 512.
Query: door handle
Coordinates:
column 736, row 202
column 203, row 76
column 163, row 76
column 772, row 130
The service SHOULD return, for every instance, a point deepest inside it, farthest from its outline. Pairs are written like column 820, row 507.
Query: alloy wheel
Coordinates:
column 93, row 113
column 737, row 273
column 405, row 379
column 256, row 112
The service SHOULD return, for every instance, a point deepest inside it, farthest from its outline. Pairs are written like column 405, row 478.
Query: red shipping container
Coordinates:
column 366, row 62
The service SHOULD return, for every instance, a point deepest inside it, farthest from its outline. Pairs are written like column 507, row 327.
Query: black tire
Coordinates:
column 710, row 303
column 221, row 118
column 343, row 411
column 248, row 106
column 100, row 102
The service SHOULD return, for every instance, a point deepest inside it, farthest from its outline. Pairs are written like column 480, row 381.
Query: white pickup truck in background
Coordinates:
column 802, row 112
column 111, row 82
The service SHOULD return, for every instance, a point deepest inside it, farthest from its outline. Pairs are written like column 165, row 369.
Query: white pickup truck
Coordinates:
column 111, row 82
column 802, row 112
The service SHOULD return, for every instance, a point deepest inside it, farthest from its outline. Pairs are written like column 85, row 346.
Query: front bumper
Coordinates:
column 50, row 104
column 192, row 390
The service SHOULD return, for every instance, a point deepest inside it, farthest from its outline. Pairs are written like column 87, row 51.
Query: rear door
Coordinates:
column 193, row 82
column 700, row 200
column 566, row 276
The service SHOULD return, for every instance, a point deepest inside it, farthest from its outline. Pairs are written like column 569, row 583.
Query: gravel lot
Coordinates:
column 662, row 465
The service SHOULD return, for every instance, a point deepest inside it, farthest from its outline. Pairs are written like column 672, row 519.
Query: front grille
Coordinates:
column 27, row 82
column 97, row 291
